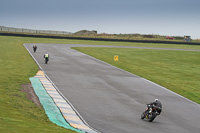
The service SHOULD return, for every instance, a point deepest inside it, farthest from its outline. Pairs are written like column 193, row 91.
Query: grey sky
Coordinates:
column 164, row 17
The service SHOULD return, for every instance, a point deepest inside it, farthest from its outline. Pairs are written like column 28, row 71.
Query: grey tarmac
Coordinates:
column 112, row 100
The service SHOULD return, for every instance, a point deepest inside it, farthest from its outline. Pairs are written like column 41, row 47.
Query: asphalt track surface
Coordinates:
column 111, row 100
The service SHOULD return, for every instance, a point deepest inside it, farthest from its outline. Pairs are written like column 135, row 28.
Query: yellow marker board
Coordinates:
column 116, row 58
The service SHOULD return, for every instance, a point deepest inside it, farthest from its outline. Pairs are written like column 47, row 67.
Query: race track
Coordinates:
column 111, row 100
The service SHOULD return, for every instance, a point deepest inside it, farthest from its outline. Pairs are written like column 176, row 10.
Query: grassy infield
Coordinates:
column 176, row 70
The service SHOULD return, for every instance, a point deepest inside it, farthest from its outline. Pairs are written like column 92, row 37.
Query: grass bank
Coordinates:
column 17, row 113
column 175, row 70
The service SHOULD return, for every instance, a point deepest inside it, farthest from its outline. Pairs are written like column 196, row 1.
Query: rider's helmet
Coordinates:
column 155, row 100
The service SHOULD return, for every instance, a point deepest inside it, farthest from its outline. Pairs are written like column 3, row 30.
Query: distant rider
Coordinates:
column 157, row 104
column 46, row 56
column 34, row 48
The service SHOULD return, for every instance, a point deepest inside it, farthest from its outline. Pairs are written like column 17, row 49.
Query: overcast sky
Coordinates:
column 163, row 17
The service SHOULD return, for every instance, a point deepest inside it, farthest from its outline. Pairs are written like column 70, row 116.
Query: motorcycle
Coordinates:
column 46, row 60
column 34, row 49
column 151, row 114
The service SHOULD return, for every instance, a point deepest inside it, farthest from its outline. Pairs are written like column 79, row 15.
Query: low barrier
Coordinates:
column 96, row 39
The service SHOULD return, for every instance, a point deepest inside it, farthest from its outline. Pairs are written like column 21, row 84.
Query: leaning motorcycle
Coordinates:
column 150, row 115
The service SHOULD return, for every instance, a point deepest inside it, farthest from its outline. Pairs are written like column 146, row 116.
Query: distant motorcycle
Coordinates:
column 150, row 115
column 46, row 60
column 34, row 48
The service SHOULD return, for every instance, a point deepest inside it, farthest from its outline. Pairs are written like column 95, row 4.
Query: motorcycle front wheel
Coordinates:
column 152, row 117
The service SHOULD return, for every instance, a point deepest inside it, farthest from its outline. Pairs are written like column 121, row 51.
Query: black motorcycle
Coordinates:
column 34, row 48
column 46, row 60
column 151, row 114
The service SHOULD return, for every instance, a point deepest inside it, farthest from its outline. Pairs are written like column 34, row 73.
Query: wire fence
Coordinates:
column 10, row 29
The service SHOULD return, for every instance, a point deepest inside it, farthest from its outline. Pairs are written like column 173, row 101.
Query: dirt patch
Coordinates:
column 30, row 94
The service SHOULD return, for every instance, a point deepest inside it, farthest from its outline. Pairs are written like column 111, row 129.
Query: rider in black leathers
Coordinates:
column 156, row 103
column 34, row 48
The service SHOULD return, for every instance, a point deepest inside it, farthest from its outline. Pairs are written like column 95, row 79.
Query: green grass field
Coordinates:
column 176, row 70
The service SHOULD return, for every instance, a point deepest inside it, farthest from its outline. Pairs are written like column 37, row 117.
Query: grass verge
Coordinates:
column 17, row 113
